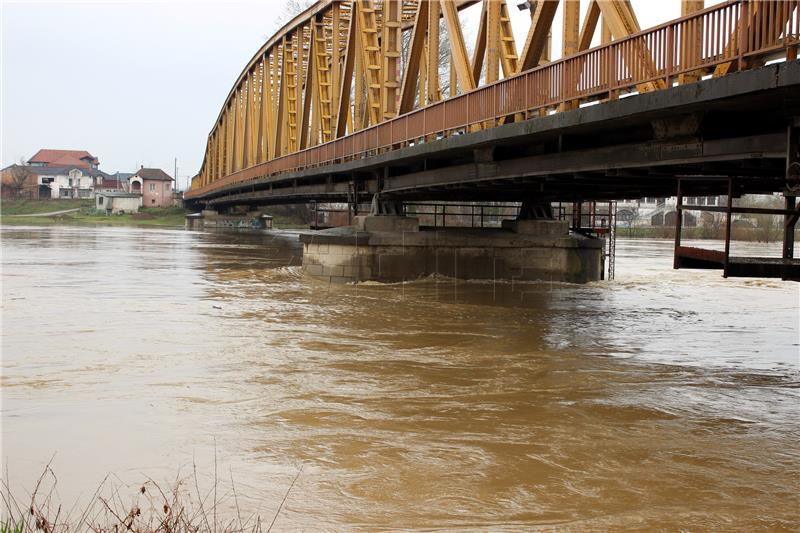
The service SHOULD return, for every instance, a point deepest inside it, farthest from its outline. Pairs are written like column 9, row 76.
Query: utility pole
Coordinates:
column 176, row 174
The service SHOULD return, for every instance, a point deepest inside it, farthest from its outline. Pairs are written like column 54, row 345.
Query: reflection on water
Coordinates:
column 666, row 399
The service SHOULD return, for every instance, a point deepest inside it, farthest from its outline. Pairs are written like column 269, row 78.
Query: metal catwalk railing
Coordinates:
column 733, row 36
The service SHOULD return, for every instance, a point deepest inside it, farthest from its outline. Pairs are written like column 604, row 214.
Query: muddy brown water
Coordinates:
column 664, row 400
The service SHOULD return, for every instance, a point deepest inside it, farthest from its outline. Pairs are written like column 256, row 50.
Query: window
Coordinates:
column 152, row 187
column 100, row 200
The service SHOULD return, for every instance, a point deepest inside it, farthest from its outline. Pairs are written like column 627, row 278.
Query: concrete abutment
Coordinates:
column 211, row 219
column 395, row 248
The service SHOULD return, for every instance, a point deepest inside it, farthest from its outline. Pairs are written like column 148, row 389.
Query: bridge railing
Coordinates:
column 727, row 36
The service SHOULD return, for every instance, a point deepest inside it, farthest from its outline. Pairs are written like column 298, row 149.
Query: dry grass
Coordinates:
column 146, row 508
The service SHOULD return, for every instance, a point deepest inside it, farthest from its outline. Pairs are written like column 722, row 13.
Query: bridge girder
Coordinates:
column 340, row 70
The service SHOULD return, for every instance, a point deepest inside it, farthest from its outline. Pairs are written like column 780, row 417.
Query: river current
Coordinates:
column 664, row 400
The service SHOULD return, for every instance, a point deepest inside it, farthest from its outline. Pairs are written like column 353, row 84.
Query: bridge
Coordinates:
column 361, row 100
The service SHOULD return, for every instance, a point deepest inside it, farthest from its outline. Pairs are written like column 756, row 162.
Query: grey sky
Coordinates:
column 140, row 82
column 132, row 82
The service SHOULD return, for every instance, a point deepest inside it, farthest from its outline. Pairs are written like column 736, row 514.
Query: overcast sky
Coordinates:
column 140, row 82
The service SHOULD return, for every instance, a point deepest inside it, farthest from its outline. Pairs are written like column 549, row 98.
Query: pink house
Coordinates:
column 154, row 185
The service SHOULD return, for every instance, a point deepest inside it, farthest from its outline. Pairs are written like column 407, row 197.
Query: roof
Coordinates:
column 111, row 183
column 64, row 171
column 80, row 158
column 153, row 174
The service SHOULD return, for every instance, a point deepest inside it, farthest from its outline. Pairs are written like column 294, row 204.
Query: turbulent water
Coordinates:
column 663, row 400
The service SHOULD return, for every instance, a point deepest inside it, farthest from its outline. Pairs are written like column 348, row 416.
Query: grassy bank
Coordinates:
column 86, row 214
column 738, row 233
column 29, row 207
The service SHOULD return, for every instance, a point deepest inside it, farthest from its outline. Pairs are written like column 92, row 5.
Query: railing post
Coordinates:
column 611, row 50
column 670, row 56
column 495, row 111
column 468, row 117
column 744, row 10
column 527, row 106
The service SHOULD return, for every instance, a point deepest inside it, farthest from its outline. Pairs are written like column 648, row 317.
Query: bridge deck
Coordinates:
column 318, row 107
column 631, row 147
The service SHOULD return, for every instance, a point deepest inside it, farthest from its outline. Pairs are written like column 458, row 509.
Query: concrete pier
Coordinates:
column 210, row 219
column 395, row 248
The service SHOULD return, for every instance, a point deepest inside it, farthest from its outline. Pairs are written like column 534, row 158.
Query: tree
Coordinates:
column 711, row 225
column 767, row 227
column 291, row 9
column 17, row 179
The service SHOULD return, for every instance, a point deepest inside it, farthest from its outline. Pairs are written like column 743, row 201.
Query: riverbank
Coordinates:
column 149, row 508
column 32, row 207
column 82, row 212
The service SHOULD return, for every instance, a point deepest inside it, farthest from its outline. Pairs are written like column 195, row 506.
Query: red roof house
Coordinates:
column 63, row 158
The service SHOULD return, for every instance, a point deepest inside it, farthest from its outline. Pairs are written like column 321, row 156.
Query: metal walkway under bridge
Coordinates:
column 356, row 98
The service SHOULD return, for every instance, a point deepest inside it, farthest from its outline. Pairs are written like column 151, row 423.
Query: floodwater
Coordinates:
column 665, row 400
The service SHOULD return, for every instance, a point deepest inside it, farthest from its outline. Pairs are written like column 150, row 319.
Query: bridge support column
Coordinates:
column 211, row 219
column 792, row 188
column 393, row 248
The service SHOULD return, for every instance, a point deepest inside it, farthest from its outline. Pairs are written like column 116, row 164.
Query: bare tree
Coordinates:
column 767, row 227
column 18, row 176
column 291, row 9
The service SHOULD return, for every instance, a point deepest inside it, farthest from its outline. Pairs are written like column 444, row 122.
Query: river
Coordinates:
column 662, row 400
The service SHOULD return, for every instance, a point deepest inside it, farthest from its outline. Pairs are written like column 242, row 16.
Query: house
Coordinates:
column 42, row 182
column 117, row 202
column 68, row 182
column 154, row 185
column 64, row 158
column 53, row 174
column 117, row 182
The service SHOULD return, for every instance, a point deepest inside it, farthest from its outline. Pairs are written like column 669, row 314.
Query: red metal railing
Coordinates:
column 738, row 31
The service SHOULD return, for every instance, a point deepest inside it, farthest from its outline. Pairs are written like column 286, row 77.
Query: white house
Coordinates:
column 68, row 182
